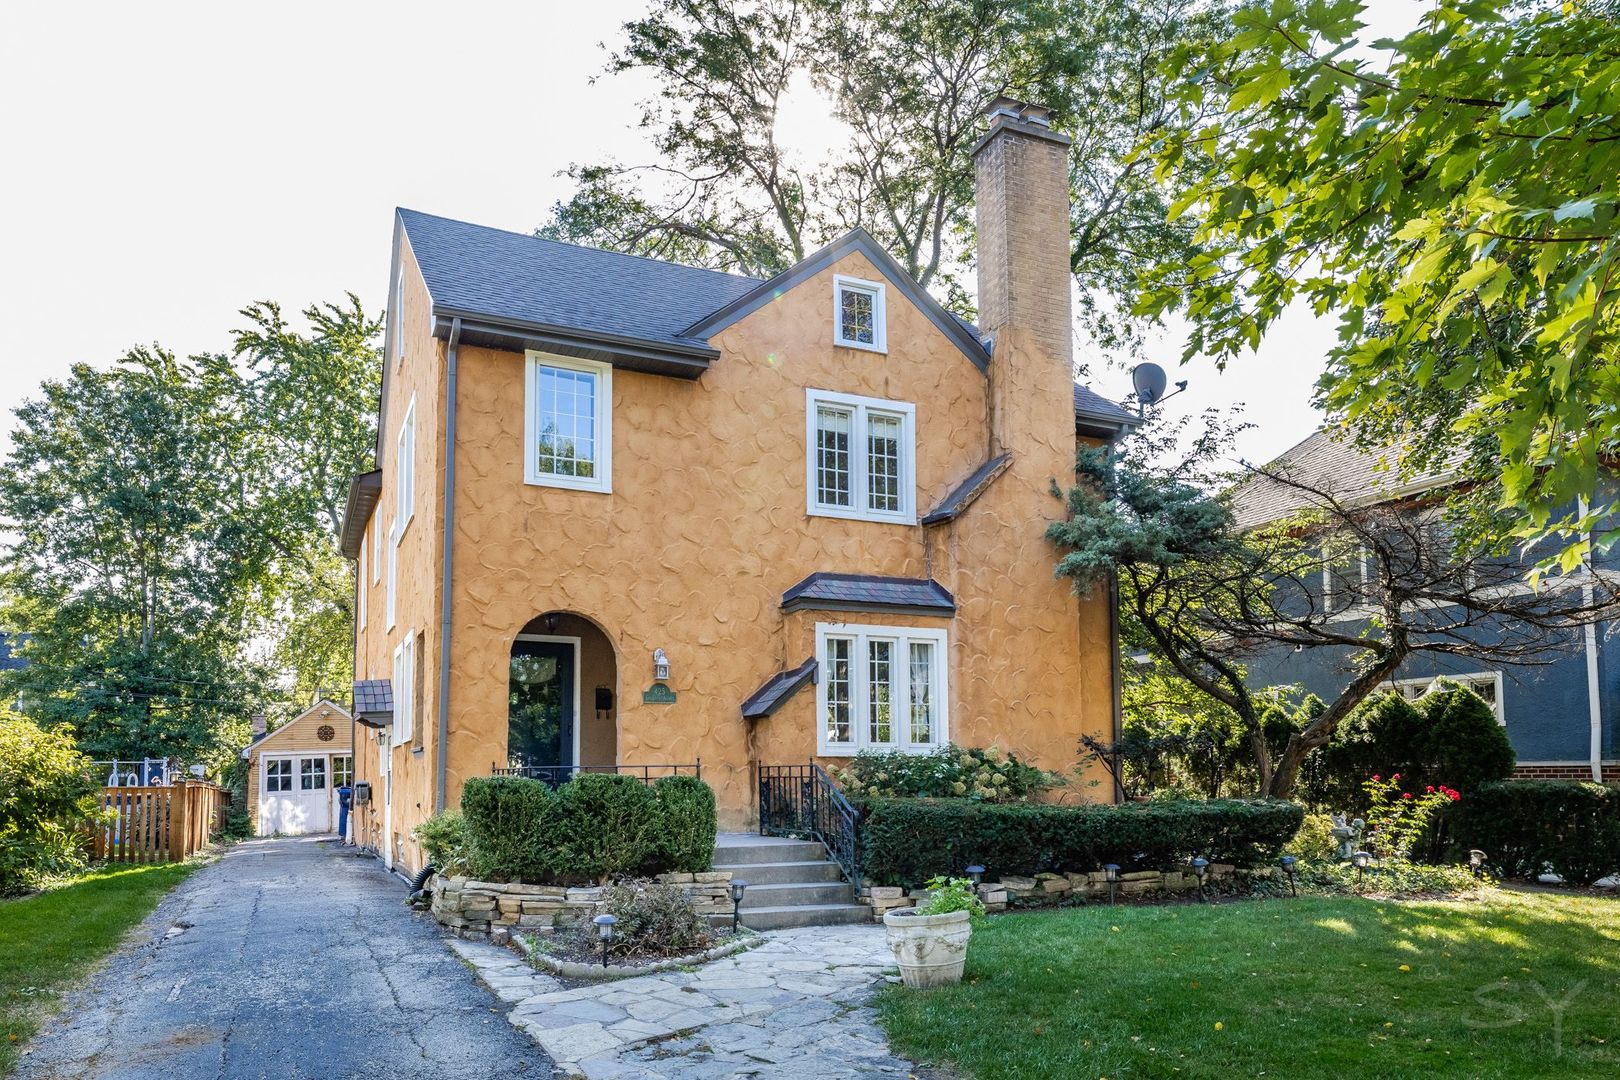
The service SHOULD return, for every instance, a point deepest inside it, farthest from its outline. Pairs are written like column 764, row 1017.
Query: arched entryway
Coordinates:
column 562, row 696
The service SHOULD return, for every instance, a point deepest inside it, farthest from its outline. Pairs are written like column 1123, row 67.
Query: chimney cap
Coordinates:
column 1007, row 113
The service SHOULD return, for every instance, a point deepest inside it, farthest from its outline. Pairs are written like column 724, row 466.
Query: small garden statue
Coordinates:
column 1348, row 834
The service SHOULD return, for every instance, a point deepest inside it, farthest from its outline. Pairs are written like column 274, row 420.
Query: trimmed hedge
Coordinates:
column 907, row 841
column 686, row 840
column 1526, row 827
column 509, row 823
column 595, row 827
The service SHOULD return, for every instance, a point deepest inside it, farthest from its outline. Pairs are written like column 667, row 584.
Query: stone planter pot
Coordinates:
column 930, row 949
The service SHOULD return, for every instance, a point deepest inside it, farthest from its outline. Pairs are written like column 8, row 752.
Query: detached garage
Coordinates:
column 294, row 772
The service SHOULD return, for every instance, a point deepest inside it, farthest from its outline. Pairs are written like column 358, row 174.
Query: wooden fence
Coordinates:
column 159, row 824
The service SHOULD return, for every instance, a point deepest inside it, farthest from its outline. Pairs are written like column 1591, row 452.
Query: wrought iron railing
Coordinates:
column 802, row 800
column 556, row 775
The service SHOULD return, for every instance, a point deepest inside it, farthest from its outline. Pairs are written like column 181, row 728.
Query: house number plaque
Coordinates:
column 658, row 694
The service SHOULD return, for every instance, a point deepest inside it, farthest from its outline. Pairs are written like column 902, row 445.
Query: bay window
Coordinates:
column 879, row 688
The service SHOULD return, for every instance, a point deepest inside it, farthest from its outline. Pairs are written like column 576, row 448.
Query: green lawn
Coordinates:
column 1519, row 984
column 48, row 941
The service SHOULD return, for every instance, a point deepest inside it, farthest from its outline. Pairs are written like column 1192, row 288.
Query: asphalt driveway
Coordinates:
column 286, row 958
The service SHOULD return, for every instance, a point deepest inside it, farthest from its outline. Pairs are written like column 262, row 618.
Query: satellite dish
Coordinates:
column 1150, row 381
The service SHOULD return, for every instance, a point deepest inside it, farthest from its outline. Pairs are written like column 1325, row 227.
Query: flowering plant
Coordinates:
column 1398, row 818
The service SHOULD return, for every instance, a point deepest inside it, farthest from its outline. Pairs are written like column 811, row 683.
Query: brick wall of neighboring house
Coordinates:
column 1575, row 770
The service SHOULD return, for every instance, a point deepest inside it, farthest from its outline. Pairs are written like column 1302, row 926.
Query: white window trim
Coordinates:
column 405, row 471
column 393, row 577
column 859, row 465
column 376, row 551
column 880, row 320
column 360, row 601
column 903, row 636
column 603, row 480
column 292, row 774
column 399, row 316
column 405, row 690
column 1428, row 682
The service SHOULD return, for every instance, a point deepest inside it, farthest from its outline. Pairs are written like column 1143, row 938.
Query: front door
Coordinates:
column 543, row 703
column 295, row 797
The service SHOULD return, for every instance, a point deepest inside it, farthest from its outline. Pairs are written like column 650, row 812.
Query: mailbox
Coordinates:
column 362, row 792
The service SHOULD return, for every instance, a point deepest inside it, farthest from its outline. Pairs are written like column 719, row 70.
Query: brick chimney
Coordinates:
column 1021, row 172
column 259, row 724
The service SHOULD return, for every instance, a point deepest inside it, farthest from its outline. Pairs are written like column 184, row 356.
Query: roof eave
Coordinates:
column 364, row 491
column 679, row 360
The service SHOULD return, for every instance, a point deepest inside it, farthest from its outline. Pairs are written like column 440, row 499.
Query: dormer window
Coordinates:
column 858, row 315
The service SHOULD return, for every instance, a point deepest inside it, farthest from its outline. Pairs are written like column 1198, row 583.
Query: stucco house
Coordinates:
column 1560, row 706
column 635, row 515
column 293, row 772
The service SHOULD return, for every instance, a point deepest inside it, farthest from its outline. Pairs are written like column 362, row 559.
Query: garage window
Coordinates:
column 278, row 775
column 312, row 777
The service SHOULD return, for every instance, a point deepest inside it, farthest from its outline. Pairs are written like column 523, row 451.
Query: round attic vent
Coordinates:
column 325, row 733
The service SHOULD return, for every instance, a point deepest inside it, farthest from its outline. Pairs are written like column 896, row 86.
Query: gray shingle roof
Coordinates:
column 374, row 702
column 475, row 270
column 864, row 592
column 1088, row 403
column 777, row 689
column 1332, row 463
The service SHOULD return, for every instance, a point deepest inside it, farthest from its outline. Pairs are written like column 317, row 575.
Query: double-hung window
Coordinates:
column 880, row 688
column 568, row 423
column 862, row 457
column 858, row 314
column 360, row 602
column 393, row 574
column 399, row 315
column 405, row 472
column 1487, row 684
column 405, row 690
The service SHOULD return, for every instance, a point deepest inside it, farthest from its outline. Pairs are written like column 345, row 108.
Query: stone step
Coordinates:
column 750, row 850
column 783, row 873
column 781, row 918
column 798, row 893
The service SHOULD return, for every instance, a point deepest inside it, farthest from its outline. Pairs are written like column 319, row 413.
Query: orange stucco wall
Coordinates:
column 706, row 527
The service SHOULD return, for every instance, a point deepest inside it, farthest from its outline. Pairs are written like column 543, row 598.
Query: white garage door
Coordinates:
column 295, row 795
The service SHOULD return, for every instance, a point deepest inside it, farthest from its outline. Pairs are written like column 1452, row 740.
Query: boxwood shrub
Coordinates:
column 596, row 827
column 686, row 837
column 509, row 820
column 1526, row 827
column 906, row 841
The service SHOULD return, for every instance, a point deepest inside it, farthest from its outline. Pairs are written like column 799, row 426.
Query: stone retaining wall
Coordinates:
column 477, row 907
column 1047, row 889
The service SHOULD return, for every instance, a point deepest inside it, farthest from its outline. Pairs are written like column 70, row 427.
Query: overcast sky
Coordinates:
column 170, row 162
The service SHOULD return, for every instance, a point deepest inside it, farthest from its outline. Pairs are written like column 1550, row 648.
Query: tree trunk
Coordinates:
column 1320, row 731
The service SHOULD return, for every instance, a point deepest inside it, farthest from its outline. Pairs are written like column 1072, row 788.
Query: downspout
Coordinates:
column 1594, row 695
column 444, row 581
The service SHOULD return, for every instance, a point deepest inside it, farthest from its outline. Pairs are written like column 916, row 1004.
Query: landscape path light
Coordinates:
column 1290, row 867
column 738, row 887
column 1361, row 860
column 1476, row 861
column 604, row 931
column 1200, row 867
column 1111, row 875
column 974, row 873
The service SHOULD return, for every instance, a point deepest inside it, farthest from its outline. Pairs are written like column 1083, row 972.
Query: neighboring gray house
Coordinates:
column 1560, row 713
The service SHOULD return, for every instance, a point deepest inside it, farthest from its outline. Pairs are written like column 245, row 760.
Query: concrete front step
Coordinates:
column 734, row 849
column 797, row 892
column 781, row 918
column 783, row 873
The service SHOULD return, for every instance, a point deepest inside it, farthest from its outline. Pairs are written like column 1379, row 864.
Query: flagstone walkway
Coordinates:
column 794, row 1006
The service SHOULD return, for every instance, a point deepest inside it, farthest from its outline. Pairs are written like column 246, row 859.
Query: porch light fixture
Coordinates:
column 1200, row 867
column 1361, row 860
column 660, row 665
column 1290, row 868
column 738, row 887
column 974, row 873
column 1111, row 875
column 604, row 930
column 1476, row 861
